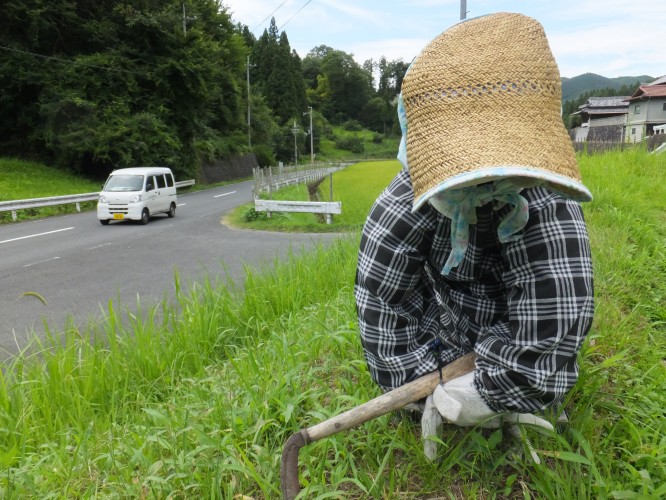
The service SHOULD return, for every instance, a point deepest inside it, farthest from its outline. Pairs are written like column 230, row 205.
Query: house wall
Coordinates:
column 649, row 113
column 656, row 112
column 607, row 121
column 636, row 118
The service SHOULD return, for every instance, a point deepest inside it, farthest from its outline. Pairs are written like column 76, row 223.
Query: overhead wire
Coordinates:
column 269, row 15
column 68, row 61
column 299, row 10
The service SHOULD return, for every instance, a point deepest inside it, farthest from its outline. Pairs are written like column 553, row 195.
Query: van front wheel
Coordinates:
column 145, row 216
column 172, row 210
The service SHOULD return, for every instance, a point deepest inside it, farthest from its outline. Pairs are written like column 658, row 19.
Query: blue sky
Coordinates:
column 608, row 37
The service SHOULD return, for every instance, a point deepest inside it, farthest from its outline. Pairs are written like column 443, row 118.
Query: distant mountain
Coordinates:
column 578, row 85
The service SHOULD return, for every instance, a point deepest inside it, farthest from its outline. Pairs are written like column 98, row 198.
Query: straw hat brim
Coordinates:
column 528, row 176
column 483, row 102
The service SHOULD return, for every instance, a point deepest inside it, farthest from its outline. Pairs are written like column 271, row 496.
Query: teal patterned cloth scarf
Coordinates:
column 460, row 205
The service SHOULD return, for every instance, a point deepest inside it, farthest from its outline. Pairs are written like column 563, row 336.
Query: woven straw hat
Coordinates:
column 483, row 102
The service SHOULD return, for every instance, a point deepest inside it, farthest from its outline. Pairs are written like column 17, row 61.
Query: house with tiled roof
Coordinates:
column 647, row 111
column 602, row 119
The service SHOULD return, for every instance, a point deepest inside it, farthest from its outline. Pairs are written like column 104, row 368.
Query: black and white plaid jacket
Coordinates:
column 524, row 307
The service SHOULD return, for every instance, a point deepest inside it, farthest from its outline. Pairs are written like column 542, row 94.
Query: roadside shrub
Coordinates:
column 352, row 143
column 377, row 138
column 251, row 215
column 352, row 125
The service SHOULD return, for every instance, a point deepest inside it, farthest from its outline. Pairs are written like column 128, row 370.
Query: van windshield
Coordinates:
column 124, row 183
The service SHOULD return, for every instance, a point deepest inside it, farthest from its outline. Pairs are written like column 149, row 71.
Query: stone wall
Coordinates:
column 228, row 169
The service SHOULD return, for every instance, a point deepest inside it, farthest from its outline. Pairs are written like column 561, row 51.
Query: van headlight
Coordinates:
column 135, row 198
column 102, row 199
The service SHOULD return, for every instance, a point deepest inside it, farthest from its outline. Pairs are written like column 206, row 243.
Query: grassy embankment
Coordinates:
column 373, row 145
column 20, row 180
column 198, row 403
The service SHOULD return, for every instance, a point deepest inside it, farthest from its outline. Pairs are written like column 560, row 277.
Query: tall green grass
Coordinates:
column 195, row 399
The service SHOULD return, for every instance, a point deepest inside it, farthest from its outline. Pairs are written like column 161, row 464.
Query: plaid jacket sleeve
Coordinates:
column 528, row 361
column 397, row 312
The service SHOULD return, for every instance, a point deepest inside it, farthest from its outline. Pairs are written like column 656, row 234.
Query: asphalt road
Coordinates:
column 77, row 266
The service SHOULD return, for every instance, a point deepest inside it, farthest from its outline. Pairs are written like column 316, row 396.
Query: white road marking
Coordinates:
column 224, row 194
column 100, row 246
column 41, row 262
column 35, row 235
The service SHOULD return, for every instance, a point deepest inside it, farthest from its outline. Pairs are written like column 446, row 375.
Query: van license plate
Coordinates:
column 118, row 216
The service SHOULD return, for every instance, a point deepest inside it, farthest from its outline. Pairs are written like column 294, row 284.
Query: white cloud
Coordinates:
column 611, row 38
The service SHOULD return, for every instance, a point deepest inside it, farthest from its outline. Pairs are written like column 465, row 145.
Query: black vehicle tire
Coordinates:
column 104, row 222
column 172, row 210
column 145, row 216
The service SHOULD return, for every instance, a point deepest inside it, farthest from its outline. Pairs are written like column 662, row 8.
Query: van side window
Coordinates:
column 161, row 183
column 150, row 183
column 169, row 179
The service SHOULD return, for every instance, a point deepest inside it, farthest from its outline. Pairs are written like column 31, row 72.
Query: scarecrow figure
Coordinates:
column 479, row 243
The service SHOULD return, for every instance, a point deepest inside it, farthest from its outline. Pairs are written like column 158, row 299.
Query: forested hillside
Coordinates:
column 92, row 85
column 574, row 88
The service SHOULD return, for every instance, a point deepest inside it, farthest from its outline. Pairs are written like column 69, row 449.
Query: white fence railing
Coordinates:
column 14, row 205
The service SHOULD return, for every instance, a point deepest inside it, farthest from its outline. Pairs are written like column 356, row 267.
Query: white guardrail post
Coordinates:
column 15, row 205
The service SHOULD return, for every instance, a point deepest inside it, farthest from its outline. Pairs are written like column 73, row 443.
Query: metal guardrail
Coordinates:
column 271, row 179
column 316, row 207
column 184, row 183
column 14, row 205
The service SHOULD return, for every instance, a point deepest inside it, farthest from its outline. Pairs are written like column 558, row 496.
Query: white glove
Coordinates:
column 460, row 403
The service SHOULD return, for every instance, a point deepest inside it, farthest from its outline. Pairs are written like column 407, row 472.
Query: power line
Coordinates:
column 269, row 15
column 305, row 5
column 68, row 61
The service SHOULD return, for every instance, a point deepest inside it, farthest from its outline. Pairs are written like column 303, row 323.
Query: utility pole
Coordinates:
column 311, row 136
column 249, row 123
column 185, row 19
column 463, row 9
column 295, row 130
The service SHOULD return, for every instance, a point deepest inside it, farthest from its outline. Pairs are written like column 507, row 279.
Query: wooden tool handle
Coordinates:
column 381, row 405
column 392, row 400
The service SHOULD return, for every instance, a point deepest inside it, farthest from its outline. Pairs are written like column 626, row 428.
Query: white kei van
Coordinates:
column 137, row 194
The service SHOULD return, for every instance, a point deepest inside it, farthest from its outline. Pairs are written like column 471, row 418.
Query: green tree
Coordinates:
column 311, row 65
column 378, row 115
column 348, row 86
column 101, row 84
column 278, row 75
